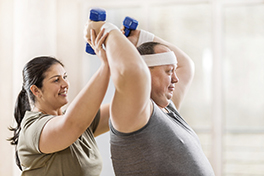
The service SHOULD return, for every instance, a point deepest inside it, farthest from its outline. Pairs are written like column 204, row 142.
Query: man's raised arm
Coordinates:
column 131, row 106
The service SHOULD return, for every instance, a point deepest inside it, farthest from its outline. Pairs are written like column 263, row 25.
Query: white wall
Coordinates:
column 34, row 27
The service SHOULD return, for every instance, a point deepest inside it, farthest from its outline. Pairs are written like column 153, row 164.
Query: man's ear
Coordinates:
column 35, row 90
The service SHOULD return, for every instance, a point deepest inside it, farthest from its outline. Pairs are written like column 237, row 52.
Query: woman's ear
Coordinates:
column 35, row 90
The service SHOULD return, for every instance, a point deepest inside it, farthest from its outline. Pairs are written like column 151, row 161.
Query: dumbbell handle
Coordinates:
column 96, row 14
column 129, row 24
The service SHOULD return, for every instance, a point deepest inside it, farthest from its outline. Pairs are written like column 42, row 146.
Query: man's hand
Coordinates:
column 96, row 26
column 133, row 37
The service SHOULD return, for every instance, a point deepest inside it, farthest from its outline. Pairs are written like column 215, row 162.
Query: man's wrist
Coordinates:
column 108, row 27
column 144, row 37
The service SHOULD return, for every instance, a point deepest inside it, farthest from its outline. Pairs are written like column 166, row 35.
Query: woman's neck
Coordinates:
column 47, row 110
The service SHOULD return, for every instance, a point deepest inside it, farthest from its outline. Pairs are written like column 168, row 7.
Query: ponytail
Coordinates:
column 21, row 106
column 33, row 74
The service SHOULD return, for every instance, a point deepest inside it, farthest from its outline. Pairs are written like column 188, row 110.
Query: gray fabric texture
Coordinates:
column 165, row 146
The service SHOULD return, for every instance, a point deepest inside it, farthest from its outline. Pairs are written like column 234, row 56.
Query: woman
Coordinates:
column 48, row 141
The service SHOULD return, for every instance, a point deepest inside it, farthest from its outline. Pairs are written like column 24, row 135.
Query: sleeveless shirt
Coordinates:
column 165, row 146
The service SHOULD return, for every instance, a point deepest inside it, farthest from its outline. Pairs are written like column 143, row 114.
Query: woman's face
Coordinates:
column 55, row 87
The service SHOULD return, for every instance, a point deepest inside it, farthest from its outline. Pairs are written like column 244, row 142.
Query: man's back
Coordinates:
column 165, row 146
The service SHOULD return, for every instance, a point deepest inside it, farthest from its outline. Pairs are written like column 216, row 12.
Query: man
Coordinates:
column 148, row 136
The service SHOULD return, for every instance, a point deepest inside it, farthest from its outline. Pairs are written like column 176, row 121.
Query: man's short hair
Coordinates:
column 148, row 48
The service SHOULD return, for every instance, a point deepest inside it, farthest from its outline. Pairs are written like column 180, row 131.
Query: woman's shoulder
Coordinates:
column 31, row 117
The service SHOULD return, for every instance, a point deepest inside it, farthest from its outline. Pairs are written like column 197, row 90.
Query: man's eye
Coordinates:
column 56, row 80
column 170, row 71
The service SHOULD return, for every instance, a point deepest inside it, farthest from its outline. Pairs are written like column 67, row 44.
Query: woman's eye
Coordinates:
column 65, row 77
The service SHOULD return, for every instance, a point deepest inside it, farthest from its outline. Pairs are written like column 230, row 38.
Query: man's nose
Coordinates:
column 174, row 78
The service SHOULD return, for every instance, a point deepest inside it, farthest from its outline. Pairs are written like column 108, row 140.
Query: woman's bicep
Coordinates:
column 57, row 135
column 103, row 125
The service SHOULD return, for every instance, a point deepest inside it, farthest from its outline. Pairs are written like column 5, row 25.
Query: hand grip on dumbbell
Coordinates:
column 96, row 14
column 129, row 24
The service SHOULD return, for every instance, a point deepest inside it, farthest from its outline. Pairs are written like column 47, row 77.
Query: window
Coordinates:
column 243, row 90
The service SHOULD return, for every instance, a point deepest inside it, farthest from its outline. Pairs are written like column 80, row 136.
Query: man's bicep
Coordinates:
column 130, row 108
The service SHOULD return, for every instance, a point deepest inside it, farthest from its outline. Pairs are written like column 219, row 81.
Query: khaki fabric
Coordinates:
column 82, row 158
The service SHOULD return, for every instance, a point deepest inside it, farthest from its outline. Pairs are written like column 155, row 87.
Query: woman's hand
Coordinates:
column 96, row 42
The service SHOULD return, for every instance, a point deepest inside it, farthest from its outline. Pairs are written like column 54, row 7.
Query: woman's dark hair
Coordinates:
column 148, row 48
column 33, row 74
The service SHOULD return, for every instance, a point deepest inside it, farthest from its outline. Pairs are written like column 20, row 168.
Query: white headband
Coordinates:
column 167, row 58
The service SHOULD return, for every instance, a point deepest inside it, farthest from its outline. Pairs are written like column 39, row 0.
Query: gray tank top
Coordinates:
column 165, row 146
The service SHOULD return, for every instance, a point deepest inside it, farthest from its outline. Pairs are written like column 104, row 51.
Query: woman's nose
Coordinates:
column 65, row 83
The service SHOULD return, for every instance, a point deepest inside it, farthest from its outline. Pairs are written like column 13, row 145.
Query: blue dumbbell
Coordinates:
column 96, row 14
column 129, row 24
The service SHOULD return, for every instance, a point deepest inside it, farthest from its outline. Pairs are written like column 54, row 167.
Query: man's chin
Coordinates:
column 169, row 97
column 164, row 104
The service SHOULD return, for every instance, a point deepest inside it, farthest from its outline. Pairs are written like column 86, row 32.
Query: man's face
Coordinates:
column 163, row 79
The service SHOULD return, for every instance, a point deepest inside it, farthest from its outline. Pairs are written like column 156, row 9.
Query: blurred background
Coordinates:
column 225, row 39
